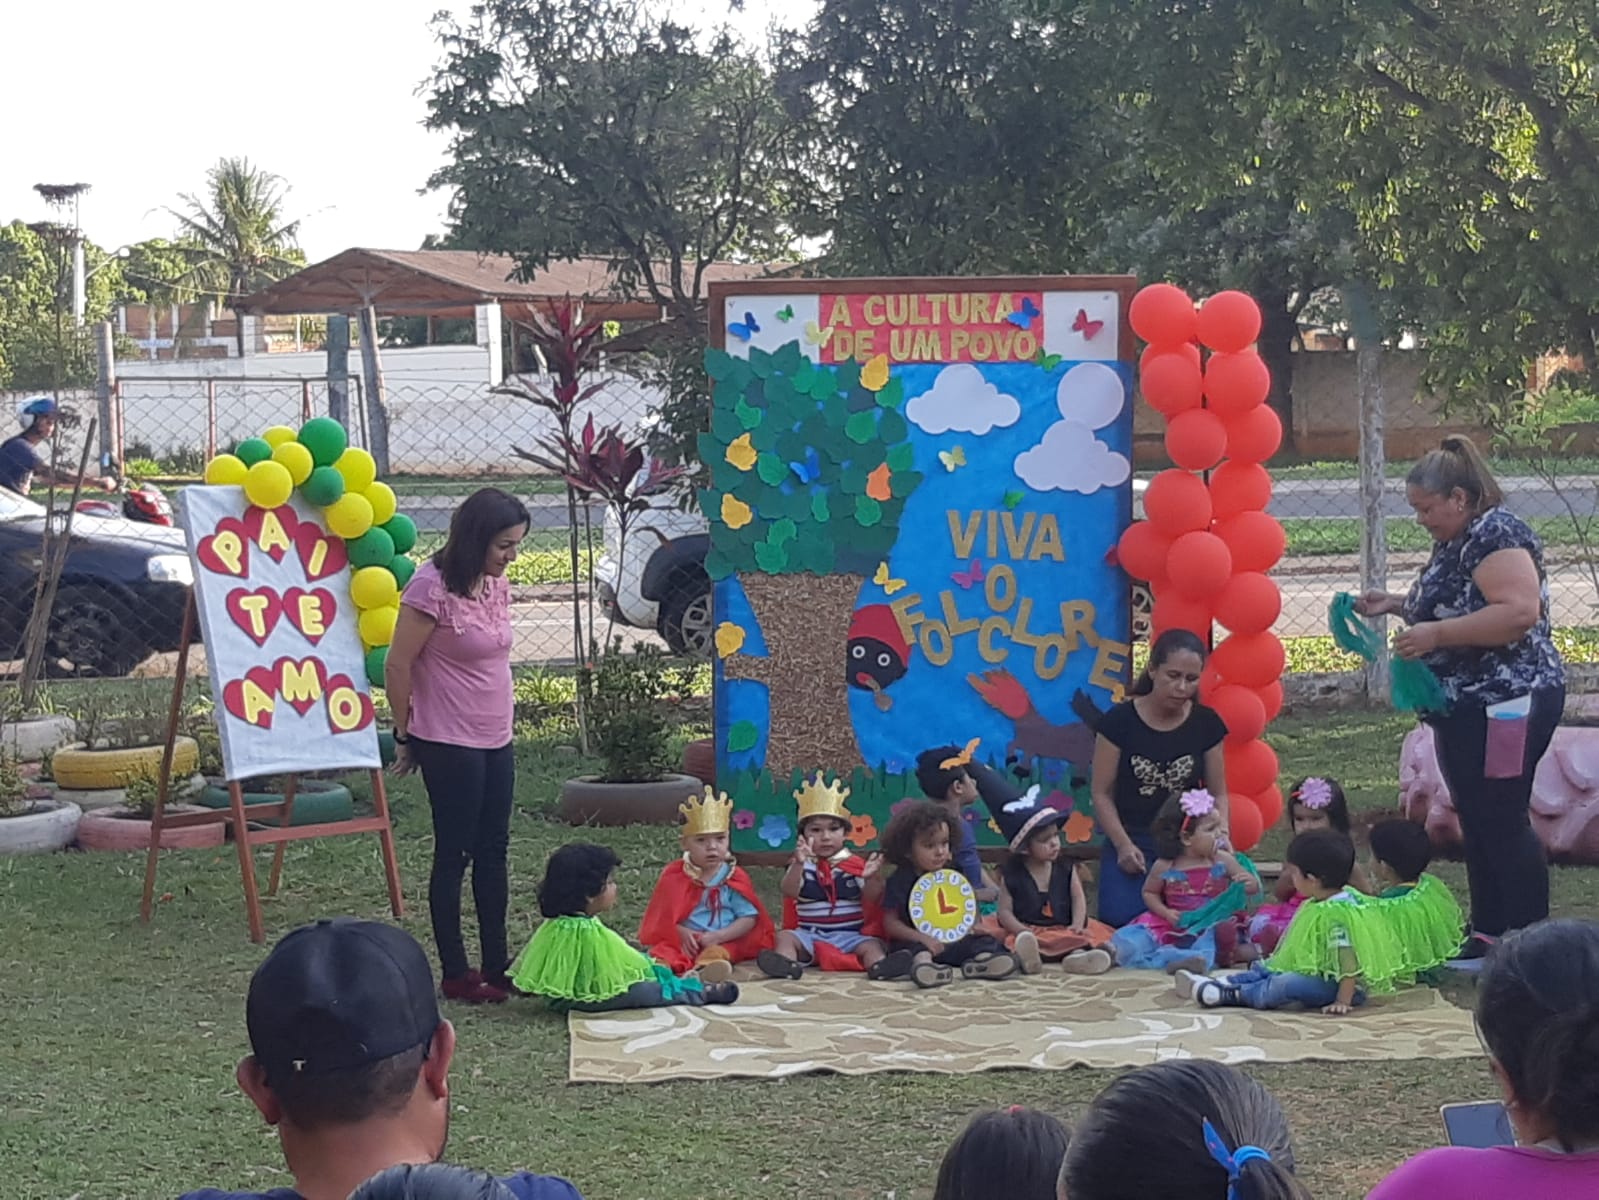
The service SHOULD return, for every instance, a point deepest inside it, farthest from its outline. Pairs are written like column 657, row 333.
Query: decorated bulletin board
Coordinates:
column 916, row 489
column 272, row 589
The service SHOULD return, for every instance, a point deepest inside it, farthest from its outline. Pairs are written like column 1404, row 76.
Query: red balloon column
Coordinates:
column 1205, row 547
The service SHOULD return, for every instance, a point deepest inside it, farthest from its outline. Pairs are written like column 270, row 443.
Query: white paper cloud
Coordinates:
column 962, row 401
column 1071, row 459
column 1091, row 394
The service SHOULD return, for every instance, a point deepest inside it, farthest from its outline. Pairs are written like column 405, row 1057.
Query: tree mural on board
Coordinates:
column 810, row 466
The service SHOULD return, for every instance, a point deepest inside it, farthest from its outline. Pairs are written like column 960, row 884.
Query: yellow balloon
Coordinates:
column 381, row 497
column 226, row 469
column 268, row 484
column 377, row 624
column 374, row 587
column 349, row 516
column 296, row 458
column 277, row 435
column 358, row 467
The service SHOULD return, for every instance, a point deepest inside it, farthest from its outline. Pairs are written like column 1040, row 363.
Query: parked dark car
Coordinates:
column 122, row 592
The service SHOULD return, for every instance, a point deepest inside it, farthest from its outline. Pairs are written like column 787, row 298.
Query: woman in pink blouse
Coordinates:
column 449, row 683
column 1538, row 1013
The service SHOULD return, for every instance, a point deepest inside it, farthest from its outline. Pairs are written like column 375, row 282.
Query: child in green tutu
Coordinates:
column 580, row 964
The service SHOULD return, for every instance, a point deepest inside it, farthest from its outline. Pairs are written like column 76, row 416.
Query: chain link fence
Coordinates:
column 447, row 438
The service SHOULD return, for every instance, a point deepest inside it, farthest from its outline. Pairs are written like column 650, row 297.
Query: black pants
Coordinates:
column 1506, row 867
column 956, row 953
column 470, row 793
column 646, row 994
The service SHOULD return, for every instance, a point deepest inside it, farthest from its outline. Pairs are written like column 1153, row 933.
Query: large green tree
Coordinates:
column 40, row 348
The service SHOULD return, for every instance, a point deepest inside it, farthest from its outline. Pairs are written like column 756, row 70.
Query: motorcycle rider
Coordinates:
column 20, row 459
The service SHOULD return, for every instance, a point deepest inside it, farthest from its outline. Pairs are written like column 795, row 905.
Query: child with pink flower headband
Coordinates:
column 1191, row 872
column 1315, row 802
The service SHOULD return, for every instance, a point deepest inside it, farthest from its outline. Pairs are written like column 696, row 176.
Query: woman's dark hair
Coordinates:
column 934, row 780
column 1168, row 827
column 574, row 875
column 1337, row 809
column 1538, row 1010
column 1403, row 845
column 908, row 826
column 1144, row 1136
column 1012, row 1152
column 1457, row 463
column 482, row 515
column 431, row 1181
column 1326, row 854
column 1173, row 641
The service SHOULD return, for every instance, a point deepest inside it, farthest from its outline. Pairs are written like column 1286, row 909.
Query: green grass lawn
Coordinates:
column 117, row 1040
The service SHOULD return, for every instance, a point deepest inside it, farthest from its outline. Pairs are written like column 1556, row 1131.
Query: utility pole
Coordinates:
column 59, row 195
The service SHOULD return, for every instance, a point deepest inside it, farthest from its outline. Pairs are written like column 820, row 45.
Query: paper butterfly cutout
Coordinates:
column 954, row 457
column 786, row 313
column 1047, row 361
column 1022, row 318
column 809, row 470
column 1027, row 800
column 874, row 375
column 816, row 335
column 1012, row 499
column 1086, row 327
column 886, row 581
column 971, row 575
column 743, row 330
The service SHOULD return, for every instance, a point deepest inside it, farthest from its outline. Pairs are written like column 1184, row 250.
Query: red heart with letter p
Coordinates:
column 227, row 551
column 256, row 612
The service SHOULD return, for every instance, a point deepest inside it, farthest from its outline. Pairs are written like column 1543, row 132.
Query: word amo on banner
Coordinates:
column 274, row 532
column 302, row 684
column 934, row 327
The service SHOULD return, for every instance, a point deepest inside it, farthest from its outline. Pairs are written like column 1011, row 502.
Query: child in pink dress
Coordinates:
column 1192, row 871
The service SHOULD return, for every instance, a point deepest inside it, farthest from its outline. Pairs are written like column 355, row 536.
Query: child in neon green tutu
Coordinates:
column 1342, row 944
column 580, row 964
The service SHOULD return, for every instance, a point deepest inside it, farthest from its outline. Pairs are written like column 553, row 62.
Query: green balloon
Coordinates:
column 403, row 530
column 322, row 487
column 325, row 439
column 375, row 660
column 374, row 548
column 253, row 450
column 403, row 569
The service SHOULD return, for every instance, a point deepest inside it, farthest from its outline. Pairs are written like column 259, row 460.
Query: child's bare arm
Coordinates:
column 1155, row 891
column 899, row 931
column 1007, row 911
column 1345, row 1000
column 1079, row 900
column 990, row 889
column 1237, row 873
column 794, row 877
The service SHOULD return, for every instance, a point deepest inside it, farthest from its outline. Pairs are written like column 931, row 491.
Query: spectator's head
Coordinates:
column 431, row 1181
column 919, row 837
column 1401, row 849
column 38, row 416
column 1146, row 1135
column 1317, row 802
column 345, row 1032
column 1172, row 674
column 1012, row 1152
column 942, row 775
column 1323, row 860
column 1450, row 486
column 484, row 535
column 579, row 880
column 1538, row 1010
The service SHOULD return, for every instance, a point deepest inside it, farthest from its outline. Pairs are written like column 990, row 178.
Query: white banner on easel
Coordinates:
column 272, row 589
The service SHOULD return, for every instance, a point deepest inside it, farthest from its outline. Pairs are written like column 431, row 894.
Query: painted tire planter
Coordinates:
column 587, row 801
column 119, row 829
column 31, row 738
column 95, row 799
column 316, row 802
column 48, row 826
column 699, row 760
column 78, row 767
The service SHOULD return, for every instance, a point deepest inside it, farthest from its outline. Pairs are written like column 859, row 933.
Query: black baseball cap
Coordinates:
column 337, row 994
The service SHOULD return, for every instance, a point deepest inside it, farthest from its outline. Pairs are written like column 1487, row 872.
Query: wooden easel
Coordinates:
column 246, row 839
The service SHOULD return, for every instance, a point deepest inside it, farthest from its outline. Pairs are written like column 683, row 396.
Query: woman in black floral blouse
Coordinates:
column 1479, row 617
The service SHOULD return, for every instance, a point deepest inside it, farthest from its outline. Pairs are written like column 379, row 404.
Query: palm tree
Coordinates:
column 234, row 237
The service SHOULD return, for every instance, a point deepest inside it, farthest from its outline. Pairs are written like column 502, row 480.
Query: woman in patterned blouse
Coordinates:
column 1479, row 617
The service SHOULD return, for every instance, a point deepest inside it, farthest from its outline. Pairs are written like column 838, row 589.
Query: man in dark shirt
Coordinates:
column 351, row 1060
column 20, row 459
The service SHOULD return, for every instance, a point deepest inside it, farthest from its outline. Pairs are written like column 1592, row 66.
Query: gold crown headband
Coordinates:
column 817, row 799
column 710, row 813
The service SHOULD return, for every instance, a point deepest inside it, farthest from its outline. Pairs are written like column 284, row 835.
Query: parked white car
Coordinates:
column 661, row 584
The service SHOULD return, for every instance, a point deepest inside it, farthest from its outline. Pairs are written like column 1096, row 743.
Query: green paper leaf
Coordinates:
column 861, row 427
column 725, row 477
column 725, row 425
column 852, row 480
column 771, row 467
column 717, row 564
column 748, row 416
column 781, row 395
column 804, row 376
column 710, row 502
column 860, row 400
column 816, row 555
column 787, row 357
column 743, row 735
column 892, row 428
column 903, row 483
column 710, row 450
column 819, row 511
column 782, row 531
column 849, row 374
column 840, row 504
column 868, row 511
column 718, row 363
column 901, row 457
column 771, row 559
column 824, row 384
column 892, row 394
column 760, row 362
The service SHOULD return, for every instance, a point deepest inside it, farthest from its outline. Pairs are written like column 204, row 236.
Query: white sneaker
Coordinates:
column 1027, row 953
column 1187, row 983
column 1212, row 993
column 1087, row 962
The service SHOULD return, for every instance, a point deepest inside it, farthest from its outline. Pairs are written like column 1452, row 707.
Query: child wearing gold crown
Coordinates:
column 704, row 914
column 831, row 915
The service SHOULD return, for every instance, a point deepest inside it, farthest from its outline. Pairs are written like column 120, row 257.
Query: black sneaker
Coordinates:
column 721, row 993
column 892, row 966
column 778, row 966
column 1213, row 993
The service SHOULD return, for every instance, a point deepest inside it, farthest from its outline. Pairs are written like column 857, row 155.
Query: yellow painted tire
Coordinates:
column 77, row 767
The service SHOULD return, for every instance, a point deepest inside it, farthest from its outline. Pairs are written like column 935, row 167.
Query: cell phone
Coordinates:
column 1479, row 1125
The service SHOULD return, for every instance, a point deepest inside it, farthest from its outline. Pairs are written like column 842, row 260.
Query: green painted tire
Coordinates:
column 316, row 802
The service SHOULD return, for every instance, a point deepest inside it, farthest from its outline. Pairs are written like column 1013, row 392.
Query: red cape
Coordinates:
column 675, row 897
column 830, row 958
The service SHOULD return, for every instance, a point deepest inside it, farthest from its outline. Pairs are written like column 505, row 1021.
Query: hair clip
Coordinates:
column 962, row 759
column 1233, row 1163
column 1196, row 804
column 1315, row 793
